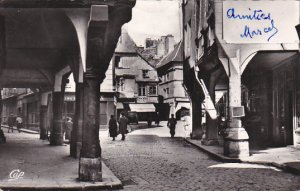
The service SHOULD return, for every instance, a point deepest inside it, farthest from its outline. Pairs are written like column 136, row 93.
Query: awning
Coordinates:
column 120, row 106
column 181, row 105
column 146, row 107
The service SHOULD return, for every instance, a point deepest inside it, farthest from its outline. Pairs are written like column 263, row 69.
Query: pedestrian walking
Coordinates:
column 123, row 122
column 149, row 121
column 11, row 122
column 64, row 126
column 157, row 119
column 113, row 127
column 172, row 125
column 19, row 121
column 68, row 126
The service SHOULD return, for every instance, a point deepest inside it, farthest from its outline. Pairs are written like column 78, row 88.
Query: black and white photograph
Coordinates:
column 150, row 95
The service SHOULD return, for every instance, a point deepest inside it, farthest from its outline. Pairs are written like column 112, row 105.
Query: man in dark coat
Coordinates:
column 157, row 119
column 172, row 125
column 11, row 122
column 123, row 121
column 113, row 127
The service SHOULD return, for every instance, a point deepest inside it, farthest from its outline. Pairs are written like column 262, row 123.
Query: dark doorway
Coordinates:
column 289, row 118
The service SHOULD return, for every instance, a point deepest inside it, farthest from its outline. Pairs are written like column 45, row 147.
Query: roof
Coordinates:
column 126, row 44
column 132, row 66
column 173, row 56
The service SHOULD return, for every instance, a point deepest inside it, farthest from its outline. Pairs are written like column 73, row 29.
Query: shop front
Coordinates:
column 271, row 96
column 144, row 111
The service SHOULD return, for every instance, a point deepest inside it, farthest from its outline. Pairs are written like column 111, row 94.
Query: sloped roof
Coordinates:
column 173, row 56
column 132, row 66
column 126, row 44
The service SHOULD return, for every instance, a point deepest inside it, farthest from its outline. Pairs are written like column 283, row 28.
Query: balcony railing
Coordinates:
column 145, row 99
column 142, row 99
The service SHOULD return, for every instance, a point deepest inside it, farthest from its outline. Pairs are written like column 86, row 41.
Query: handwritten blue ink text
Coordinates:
column 256, row 15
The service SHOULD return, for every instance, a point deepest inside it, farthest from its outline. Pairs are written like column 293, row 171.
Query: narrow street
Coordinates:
column 145, row 161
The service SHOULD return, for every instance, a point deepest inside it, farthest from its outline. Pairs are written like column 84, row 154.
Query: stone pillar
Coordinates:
column 90, row 159
column 194, row 89
column 211, row 137
column 236, row 143
column 197, row 97
column 76, row 135
column 56, row 137
column 102, row 36
column 43, row 119
column 197, row 131
column 90, row 167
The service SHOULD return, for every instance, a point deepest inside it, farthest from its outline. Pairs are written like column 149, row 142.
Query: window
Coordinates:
column 145, row 73
column 142, row 90
column 152, row 90
column 167, row 91
column 121, row 84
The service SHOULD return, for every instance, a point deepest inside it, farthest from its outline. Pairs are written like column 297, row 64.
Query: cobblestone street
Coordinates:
column 150, row 162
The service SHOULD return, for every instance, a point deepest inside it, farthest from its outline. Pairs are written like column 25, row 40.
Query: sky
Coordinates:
column 154, row 18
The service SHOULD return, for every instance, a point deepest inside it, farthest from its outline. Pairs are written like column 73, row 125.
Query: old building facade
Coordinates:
column 135, row 80
column 242, row 50
column 170, row 72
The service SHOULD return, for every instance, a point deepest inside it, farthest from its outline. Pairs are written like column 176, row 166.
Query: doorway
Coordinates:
column 270, row 98
column 289, row 117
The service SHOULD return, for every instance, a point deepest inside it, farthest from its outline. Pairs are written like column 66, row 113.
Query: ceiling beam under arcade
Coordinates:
column 60, row 3
column 25, row 78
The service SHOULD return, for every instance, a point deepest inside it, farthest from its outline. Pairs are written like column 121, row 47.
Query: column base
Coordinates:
column 75, row 149
column 197, row 134
column 90, row 169
column 236, row 143
column 56, row 139
column 43, row 134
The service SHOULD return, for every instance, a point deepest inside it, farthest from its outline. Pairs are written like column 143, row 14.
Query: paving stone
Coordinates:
column 168, row 164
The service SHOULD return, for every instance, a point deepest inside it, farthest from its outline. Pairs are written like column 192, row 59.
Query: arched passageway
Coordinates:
column 269, row 94
column 41, row 44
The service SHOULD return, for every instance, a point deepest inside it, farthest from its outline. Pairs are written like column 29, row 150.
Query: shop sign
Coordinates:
column 69, row 97
column 260, row 21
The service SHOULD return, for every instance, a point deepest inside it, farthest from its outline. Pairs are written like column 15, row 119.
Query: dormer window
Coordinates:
column 145, row 73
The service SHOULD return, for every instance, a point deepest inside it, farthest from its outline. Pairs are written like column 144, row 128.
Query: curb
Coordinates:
column 215, row 155
column 22, row 130
column 284, row 167
column 113, row 184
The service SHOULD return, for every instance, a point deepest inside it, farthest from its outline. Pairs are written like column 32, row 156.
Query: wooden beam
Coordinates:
column 61, row 3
